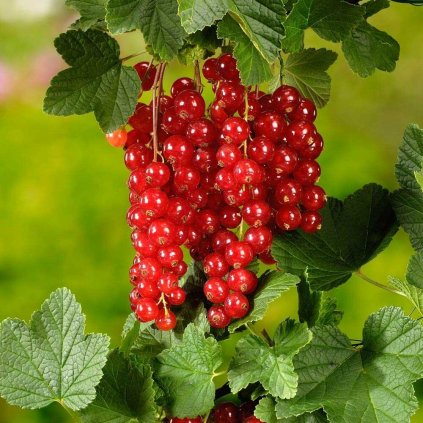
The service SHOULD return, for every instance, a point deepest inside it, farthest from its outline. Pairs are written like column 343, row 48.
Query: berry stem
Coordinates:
column 131, row 56
column 361, row 275
column 197, row 77
column 156, row 102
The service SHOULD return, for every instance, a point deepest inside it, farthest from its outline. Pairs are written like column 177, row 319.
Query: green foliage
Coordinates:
column 96, row 80
column 91, row 11
column 51, row 359
column 125, row 393
column 355, row 231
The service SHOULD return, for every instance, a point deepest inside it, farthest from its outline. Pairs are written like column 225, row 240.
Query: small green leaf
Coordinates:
column 91, row 12
column 353, row 233
column 415, row 270
column 197, row 14
column 96, row 80
column 372, row 383
column 367, row 49
column 290, row 337
column 265, row 410
column 306, row 70
column 372, row 7
column 261, row 21
column 332, row 20
column 414, row 294
column 125, row 393
column 51, row 359
column 253, row 68
column 328, row 314
column 158, row 21
column 185, row 373
column 309, row 302
column 271, row 286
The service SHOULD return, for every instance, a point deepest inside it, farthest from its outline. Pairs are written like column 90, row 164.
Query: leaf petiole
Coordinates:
column 361, row 275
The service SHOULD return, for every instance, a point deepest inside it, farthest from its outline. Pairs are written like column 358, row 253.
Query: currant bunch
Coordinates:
column 218, row 182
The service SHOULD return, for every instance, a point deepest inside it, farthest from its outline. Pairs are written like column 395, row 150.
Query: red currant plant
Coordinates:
column 201, row 182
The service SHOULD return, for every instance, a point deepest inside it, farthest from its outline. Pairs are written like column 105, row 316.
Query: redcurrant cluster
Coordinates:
column 199, row 182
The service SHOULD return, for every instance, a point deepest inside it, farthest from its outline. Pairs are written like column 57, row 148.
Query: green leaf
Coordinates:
column 185, row 373
column 372, row 383
column 374, row 6
column 158, row 20
column 51, row 359
column 414, row 294
column 91, row 12
column 271, row 286
column 332, row 20
column 308, row 302
column 253, row 68
column 415, row 270
column 354, row 232
column 125, row 393
column 197, row 14
column 367, row 49
column 272, row 366
column 265, row 410
column 306, row 70
column 261, row 21
column 328, row 314
column 96, row 80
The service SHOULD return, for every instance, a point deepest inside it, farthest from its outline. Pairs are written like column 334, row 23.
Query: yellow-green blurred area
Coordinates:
column 63, row 194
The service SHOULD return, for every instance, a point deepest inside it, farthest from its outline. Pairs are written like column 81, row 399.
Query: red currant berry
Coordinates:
column 247, row 171
column 239, row 254
column 146, row 310
column 218, row 112
column 227, row 67
column 197, row 198
column 288, row 218
column 170, row 256
column 236, row 305
column 216, row 290
column 167, row 282
column 143, row 245
column 215, row 265
column 136, row 217
column 230, row 217
column 312, row 151
column 154, row 203
column 235, row 130
column 205, row 159
column 230, row 95
column 138, row 156
column 217, row 317
column 186, row 179
column 190, row 105
column 172, row 123
column 180, row 269
column 176, row 296
column 228, row 155
column 181, row 234
column 261, row 150
column 266, row 103
column 314, row 198
column 288, row 191
column 242, row 280
column 148, row 289
column 237, row 197
column 165, row 102
column 306, row 110
column 211, row 70
column 256, row 213
column 134, row 297
column 181, row 85
column 162, row 232
column 284, row 161
column 165, row 320
column 117, row 138
column 194, row 237
column 260, row 239
column 179, row 211
column 252, row 419
column 259, row 192
column 147, row 72
column 307, row 172
column 150, row 269
column 201, row 132
column 300, row 135
column 225, row 180
column 178, row 151
column 134, row 274
column 226, row 413
column 142, row 119
column 222, row 239
column 254, row 109
column 207, row 222
column 157, row 174
column 267, row 258
column 186, row 420
column 270, row 125
column 135, row 137
column 311, row 222
column 285, row 99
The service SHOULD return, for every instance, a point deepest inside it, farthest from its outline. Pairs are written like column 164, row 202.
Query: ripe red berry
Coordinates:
column 236, row 305
column 178, row 151
column 167, row 282
column 230, row 95
column 154, row 202
column 284, row 160
column 242, row 280
column 288, row 191
column 288, row 218
column 228, row 155
column 166, row 320
column 226, row 413
column 307, row 172
column 230, row 217
column 134, row 297
column 142, row 119
column 226, row 65
column 216, row 290
column 306, row 110
column 314, row 198
column 270, row 125
column 225, row 180
column 135, row 137
column 247, row 171
column 190, row 105
column 260, row 239
column 214, row 265
column 179, row 211
column 162, row 232
column 157, row 174
column 261, row 150
column 300, row 135
column 207, row 221
column 285, row 99
column 136, row 217
column 211, row 70
column 117, row 138
column 180, row 85
column 147, row 72
column 172, row 123
column 186, row 179
column 222, row 239
column 239, row 254
column 217, row 317
column 147, row 310
column 252, row 419
column 254, row 109
column 170, row 256
column 313, row 150
column 176, row 296
column 148, row 289
column 256, row 213
column 201, row 132
column 235, row 130
column 150, row 269
column 311, row 222
column 143, row 245
column 218, row 112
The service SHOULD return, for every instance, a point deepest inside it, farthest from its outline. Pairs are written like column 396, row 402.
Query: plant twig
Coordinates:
column 361, row 275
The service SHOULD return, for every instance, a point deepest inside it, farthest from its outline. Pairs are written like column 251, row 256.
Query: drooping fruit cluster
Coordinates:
column 220, row 185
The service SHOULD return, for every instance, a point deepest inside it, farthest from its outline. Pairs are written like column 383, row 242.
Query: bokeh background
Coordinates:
column 63, row 192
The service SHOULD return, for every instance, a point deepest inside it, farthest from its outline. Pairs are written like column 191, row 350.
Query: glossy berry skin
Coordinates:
column 270, row 125
column 178, row 151
column 254, row 109
column 256, row 213
column 154, row 202
column 167, row 282
column 136, row 218
column 231, row 96
column 311, row 222
column 138, row 156
column 176, row 296
column 285, row 99
column 226, row 65
column 222, row 239
column 186, row 420
column 211, row 70
column 284, row 160
column 288, row 218
column 236, row 305
column 146, row 310
column 218, row 112
column 142, row 119
column 179, row 211
column 201, row 132
column 170, row 256
column 300, row 135
column 305, row 110
column 217, row 317
column 143, row 245
column 186, row 179
column 252, row 419
column 230, row 217
column 261, row 150
column 190, row 105
column 134, row 274
column 165, row 103
column 181, row 84
column 260, row 239
column 235, row 130
column 226, row 413
column 117, row 138
column 214, row 265
column 205, row 159
column 237, row 197
column 135, row 137
column 247, row 171
column 172, row 123
column 225, row 180
column 157, row 174
column 307, row 172
column 228, row 155
column 267, row 258
column 148, row 289
column 288, row 191
column 239, row 254
column 242, row 280
column 166, row 320
column 147, row 73
column 134, row 297
column 313, row 150
column 216, row 290
column 207, row 222
column 162, row 232
column 314, row 198
column 150, row 269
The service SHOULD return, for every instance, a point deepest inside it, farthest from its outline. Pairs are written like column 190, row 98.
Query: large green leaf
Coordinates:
column 197, row 14
column 354, row 232
column 306, row 70
column 253, row 68
column 367, row 49
column 158, row 20
column 96, row 80
column 261, row 20
column 371, row 384
column 91, row 12
column 332, row 20
column 271, row 286
column 185, row 372
column 51, row 359
column 125, row 393
column 272, row 366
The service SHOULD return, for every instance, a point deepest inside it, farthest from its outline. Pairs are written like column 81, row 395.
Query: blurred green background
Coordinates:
column 63, row 194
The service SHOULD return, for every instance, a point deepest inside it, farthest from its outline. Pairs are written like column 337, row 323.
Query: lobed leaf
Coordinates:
column 51, row 359
column 91, row 12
